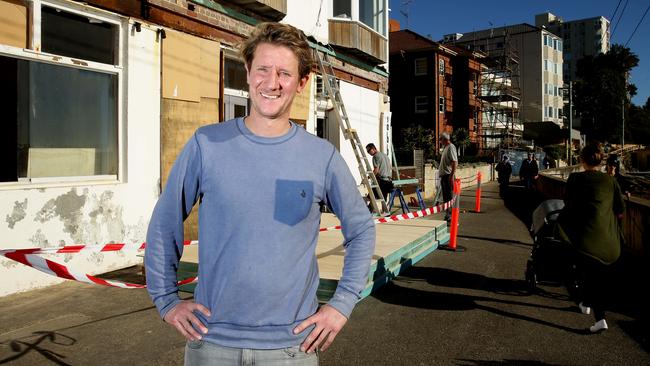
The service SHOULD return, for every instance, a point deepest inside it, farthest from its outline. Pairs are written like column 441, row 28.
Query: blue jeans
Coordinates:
column 200, row 353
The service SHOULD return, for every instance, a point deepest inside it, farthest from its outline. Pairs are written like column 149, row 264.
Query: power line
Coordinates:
column 619, row 18
column 614, row 13
column 637, row 26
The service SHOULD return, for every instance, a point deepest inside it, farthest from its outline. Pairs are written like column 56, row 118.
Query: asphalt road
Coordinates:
column 469, row 307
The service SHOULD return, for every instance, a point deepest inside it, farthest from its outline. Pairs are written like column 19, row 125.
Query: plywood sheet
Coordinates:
column 13, row 23
column 181, row 62
column 210, row 56
column 300, row 106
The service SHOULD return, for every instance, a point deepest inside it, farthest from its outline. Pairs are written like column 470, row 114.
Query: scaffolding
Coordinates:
column 500, row 92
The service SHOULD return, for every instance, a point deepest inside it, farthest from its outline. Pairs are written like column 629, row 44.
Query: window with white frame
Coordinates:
column 373, row 14
column 369, row 12
column 61, row 94
column 441, row 66
column 421, row 104
column 441, row 104
column 545, row 65
column 420, row 66
column 550, row 112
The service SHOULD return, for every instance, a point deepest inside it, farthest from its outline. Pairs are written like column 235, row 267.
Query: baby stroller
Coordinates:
column 551, row 260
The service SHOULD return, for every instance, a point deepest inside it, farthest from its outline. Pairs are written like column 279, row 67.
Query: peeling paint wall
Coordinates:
column 93, row 213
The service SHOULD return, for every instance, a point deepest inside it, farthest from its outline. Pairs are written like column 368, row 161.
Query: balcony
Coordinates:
column 358, row 39
column 273, row 9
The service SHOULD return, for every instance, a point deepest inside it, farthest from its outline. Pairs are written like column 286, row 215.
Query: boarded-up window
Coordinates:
column 300, row 106
column 13, row 23
column 190, row 67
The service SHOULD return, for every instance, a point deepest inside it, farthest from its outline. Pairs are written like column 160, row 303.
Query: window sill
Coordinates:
column 42, row 183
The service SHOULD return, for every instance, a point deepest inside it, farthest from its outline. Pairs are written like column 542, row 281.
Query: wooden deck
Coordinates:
column 399, row 245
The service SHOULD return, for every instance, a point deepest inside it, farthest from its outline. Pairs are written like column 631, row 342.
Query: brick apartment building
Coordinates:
column 434, row 86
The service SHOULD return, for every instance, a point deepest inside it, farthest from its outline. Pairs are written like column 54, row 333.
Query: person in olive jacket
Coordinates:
column 590, row 221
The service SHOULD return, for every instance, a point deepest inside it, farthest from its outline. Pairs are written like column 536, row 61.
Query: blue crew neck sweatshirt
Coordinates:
column 259, row 216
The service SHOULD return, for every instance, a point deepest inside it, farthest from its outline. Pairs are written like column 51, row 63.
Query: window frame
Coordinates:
column 33, row 53
column 424, row 103
column 441, row 66
column 415, row 66
column 441, row 104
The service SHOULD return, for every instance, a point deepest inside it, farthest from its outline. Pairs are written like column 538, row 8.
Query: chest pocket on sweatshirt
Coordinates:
column 293, row 200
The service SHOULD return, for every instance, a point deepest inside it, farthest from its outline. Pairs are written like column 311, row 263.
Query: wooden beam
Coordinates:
column 187, row 22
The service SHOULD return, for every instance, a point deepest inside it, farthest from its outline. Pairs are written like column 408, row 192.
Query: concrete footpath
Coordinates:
column 469, row 307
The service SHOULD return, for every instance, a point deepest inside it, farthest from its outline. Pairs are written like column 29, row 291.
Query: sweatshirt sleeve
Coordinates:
column 165, row 234
column 358, row 231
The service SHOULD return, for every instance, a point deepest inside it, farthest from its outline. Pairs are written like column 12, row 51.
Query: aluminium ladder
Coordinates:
column 377, row 201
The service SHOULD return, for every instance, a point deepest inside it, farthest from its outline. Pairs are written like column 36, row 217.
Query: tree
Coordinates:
column 416, row 137
column 602, row 92
column 638, row 124
column 461, row 138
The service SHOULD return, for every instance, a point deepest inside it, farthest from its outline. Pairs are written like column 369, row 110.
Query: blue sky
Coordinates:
column 437, row 18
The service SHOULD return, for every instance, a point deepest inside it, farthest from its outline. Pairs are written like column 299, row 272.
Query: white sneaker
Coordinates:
column 600, row 326
column 584, row 309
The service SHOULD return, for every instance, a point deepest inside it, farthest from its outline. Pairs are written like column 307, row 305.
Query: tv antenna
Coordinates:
column 406, row 5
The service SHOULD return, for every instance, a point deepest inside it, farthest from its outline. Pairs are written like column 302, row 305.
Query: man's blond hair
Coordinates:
column 282, row 35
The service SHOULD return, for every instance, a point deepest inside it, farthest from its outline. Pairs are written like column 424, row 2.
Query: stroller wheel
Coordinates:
column 531, row 277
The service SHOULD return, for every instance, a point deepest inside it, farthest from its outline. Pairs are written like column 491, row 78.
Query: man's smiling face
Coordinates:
column 273, row 81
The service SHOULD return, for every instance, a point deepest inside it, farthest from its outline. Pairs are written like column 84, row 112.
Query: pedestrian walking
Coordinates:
column 504, row 170
column 613, row 166
column 591, row 222
column 447, row 171
column 529, row 171
column 258, row 274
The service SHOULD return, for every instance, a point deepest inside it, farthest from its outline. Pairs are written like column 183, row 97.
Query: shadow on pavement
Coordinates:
column 451, row 278
column 499, row 240
column 23, row 347
column 466, row 362
column 432, row 300
column 522, row 202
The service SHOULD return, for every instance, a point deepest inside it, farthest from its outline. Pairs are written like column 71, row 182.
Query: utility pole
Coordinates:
column 570, row 122
column 623, row 118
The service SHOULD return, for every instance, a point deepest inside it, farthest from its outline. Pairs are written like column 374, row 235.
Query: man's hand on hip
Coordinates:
column 328, row 323
column 182, row 318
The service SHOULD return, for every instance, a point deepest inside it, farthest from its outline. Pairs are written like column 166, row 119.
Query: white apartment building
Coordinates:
column 583, row 37
column 538, row 75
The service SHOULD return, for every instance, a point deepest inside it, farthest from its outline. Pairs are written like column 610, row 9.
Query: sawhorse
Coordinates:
column 400, row 195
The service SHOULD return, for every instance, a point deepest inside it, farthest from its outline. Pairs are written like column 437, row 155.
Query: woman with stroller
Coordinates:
column 590, row 221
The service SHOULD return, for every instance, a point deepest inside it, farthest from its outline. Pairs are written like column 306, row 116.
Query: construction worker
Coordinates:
column 382, row 169
column 258, row 276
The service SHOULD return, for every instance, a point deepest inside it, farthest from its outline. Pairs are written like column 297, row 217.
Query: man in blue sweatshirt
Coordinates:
column 260, row 181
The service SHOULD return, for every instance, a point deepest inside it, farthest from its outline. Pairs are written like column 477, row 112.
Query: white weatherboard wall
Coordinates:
column 363, row 109
column 305, row 14
column 76, row 213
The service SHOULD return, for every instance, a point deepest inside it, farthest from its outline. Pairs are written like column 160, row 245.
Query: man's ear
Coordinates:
column 302, row 83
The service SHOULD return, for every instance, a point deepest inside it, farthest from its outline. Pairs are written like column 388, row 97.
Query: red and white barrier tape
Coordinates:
column 111, row 247
column 406, row 216
column 32, row 257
